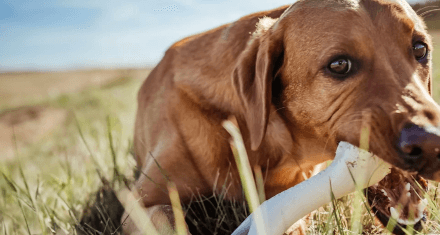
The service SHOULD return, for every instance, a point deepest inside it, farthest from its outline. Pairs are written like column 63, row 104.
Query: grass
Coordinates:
column 48, row 185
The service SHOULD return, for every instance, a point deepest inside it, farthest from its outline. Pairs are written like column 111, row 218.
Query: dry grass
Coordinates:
column 28, row 88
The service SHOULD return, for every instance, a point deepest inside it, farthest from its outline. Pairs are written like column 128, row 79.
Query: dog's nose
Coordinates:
column 420, row 147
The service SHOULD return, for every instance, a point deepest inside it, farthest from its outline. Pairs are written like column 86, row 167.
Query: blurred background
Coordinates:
column 59, row 35
column 69, row 74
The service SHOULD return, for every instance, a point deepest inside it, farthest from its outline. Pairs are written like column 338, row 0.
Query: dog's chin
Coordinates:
column 399, row 196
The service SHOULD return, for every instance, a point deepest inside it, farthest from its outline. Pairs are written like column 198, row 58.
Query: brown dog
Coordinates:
column 298, row 85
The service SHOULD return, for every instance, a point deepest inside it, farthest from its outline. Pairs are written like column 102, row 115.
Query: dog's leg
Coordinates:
column 155, row 201
column 154, row 204
column 161, row 217
column 169, row 161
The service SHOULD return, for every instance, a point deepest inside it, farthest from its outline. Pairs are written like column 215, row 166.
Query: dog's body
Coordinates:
column 291, row 106
column 182, row 105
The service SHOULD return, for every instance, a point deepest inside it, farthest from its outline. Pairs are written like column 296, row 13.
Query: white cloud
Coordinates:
column 126, row 12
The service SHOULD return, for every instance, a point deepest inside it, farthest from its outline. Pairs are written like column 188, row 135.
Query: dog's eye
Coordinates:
column 340, row 66
column 420, row 51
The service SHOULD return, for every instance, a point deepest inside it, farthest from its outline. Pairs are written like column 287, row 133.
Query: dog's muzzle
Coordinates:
column 419, row 147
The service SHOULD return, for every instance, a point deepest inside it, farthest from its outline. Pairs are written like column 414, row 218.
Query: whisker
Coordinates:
column 278, row 109
column 427, row 12
column 358, row 117
column 423, row 8
column 355, row 119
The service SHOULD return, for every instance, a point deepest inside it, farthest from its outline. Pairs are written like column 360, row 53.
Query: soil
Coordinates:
column 23, row 124
column 103, row 214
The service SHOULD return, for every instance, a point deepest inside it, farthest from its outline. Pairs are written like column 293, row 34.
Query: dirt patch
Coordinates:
column 21, row 92
column 18, row 89
column 29, row 124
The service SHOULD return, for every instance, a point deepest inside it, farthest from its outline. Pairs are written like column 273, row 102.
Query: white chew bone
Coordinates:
column 287, row 207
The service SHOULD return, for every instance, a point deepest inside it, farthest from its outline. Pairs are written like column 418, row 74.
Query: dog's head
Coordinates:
column 331, row 67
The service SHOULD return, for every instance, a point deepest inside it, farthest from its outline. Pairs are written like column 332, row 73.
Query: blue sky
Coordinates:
column 58, row 35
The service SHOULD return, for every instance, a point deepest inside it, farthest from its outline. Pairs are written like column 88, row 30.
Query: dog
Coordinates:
column 298, row 79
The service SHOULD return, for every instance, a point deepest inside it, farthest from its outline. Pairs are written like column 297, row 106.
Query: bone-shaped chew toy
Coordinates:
column 350, row 165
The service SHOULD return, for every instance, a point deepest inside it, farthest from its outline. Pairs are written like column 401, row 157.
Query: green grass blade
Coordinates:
column 112, row 151
column 24, row 216
column 245, row 172
column 335, row 210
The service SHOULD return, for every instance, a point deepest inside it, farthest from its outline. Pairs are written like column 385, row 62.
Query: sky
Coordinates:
column 65, row 34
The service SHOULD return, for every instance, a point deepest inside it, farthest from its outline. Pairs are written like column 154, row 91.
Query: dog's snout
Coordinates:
column 411, row 142
column 420, row 148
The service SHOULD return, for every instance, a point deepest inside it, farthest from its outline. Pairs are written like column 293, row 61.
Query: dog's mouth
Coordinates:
column 399, row 196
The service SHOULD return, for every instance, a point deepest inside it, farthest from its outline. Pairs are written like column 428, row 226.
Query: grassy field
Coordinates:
column 73, row 129
column 45, row 185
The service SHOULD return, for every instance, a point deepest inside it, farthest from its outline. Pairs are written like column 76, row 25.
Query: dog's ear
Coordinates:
column 252, row 79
